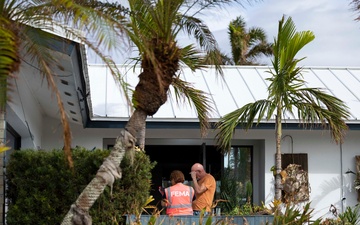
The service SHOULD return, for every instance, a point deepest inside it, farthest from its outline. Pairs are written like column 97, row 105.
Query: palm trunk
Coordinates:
column 137, row 126
column 278, row 168
column 109, row 170
column 106, row 175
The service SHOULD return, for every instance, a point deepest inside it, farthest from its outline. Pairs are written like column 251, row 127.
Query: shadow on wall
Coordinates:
column 331, row 188
column 327, row 188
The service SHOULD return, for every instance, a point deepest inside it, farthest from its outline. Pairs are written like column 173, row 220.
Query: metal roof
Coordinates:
column 239, row 85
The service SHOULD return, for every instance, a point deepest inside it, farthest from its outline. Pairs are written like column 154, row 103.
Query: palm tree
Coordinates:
column 287, row 94
column 24, row 30
column 153, row 27
column 247, row 45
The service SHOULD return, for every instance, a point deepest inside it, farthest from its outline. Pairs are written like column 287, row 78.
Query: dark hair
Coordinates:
column 177, row 176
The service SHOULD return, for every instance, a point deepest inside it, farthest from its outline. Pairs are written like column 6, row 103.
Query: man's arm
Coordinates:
column 198, row 189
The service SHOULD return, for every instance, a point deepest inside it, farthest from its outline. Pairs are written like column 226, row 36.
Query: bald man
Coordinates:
column 204, row 186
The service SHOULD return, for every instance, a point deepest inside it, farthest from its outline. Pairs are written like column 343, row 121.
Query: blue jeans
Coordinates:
column 197, row 213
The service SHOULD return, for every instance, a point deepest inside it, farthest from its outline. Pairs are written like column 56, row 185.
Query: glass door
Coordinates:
column 236, row 183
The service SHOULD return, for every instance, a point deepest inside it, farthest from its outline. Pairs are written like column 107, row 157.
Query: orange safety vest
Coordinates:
column 179, row 198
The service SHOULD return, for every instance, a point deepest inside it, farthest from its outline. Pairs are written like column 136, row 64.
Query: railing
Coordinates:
column 190, row 220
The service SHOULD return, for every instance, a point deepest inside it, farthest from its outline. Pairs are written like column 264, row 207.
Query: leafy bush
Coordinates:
column 351, row 216
column 295, row 216
column 41, row 188
column 236, row 197
column 130, row 194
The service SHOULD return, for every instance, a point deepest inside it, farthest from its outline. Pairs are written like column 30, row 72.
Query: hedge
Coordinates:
column 40, row 188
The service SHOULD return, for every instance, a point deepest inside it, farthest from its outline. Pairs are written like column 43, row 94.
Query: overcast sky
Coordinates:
column 337, row 34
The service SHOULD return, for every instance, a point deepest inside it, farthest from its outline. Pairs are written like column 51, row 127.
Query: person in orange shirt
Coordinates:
column 204, row 186
column 178, row 197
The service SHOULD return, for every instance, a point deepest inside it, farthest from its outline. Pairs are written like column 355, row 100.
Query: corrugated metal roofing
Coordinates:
column 240, row 85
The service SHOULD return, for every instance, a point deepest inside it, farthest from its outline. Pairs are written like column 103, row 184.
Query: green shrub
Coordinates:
column 351, row 216
column 41, row 188
column 293, row 215
column 130, row 193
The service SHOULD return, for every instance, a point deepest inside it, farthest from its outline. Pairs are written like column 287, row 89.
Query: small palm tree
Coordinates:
column 287, row 93
column 247, row 45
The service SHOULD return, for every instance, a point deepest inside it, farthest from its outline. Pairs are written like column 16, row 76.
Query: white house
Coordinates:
column 97, row 112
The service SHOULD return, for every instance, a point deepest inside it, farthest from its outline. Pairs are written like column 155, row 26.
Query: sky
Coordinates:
column 337, row 34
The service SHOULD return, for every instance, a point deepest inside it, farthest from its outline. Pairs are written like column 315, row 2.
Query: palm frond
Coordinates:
column 285, row 32
column 199, row 30
column 9, row 59
column 202, row 34
column 356, row 7
column 245, row 117
column 191, row 57
column 220, row 57
column 257, row 34
column 288, row 44
column 316, row 106
column 169, row 13
column 262, row 48
column 199, row 99
column 103, row 22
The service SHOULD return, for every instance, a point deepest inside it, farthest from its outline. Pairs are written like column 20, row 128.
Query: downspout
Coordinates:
column 106, row 93
column 342, row 197
column 292, row 142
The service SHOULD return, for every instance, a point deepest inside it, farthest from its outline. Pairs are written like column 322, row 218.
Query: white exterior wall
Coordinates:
column 324, row 164
column 87, row 138
column 28, row 111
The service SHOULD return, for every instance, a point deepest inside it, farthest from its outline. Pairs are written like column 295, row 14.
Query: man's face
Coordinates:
column 198, row 172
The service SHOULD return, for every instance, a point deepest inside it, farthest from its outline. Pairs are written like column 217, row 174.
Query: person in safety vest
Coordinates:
column 204, row 186
column 178, row 197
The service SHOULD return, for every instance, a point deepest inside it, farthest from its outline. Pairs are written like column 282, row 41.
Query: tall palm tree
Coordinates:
column 287, row 94
column 24, row 30
column 153, row 26
column 247, row 45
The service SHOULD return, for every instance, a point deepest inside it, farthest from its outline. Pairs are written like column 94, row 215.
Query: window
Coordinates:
column 238, row 163
column 236, row 184
column 13, row 140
